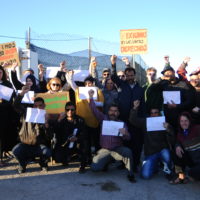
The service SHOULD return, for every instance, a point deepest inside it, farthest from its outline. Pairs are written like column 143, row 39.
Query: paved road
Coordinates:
column 66, row 183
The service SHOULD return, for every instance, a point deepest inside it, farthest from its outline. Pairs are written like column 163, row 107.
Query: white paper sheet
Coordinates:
column 155, row 123
column 170, row 96
column 28, row 97
column 51, row 72
column 5, row 92
column 35, row 115
column 83, row 92
column 80, row 75
column 111, row 128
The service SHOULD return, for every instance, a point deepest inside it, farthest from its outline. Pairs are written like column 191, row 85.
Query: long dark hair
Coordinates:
column 4, row 77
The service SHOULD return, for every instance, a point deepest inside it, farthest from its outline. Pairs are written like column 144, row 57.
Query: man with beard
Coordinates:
column 111, row 146
column 169, row 82
column 129, row 91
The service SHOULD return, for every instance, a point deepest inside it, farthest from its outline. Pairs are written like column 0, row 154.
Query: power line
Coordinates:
column 36, row 39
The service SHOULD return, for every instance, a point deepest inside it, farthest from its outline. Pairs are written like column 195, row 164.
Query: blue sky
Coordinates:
column 173, row 25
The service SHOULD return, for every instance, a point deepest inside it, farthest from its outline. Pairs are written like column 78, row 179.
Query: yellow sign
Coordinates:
column 9, row 54
column 55, row 103
column 133, row 41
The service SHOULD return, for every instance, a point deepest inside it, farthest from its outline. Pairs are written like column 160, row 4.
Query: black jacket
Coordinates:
column 154, row 141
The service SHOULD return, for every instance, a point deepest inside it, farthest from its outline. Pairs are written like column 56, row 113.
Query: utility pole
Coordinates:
column 89, row 48
column 28, row 41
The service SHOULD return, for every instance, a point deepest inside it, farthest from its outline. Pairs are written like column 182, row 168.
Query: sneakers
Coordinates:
column 44, row 169
column 21, row 169
column 131, row 178
column 81, row 170
column 44, row 166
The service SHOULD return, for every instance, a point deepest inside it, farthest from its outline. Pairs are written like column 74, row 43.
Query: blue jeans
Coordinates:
column 24, row 152
column 150, row 163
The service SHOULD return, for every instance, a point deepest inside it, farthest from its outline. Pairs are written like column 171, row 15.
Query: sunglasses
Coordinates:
column 106, row 74
column 56, row 84
column 68, row 109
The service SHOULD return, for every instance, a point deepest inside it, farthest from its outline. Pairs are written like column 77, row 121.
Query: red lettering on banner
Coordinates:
column 10, row 51
column 133, row 48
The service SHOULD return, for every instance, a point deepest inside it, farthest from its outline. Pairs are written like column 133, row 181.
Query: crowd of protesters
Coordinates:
column 78, row 131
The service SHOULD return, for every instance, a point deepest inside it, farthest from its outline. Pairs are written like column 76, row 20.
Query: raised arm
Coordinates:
column 114, row 76
column 182, row 70
column 70, row 80
column 98, row 114
column 17, row 84
column 19, row 107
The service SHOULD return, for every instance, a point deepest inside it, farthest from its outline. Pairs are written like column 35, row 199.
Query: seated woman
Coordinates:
column 187, row 150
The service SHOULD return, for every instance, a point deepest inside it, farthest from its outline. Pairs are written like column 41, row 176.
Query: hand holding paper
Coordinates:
column 5, row 92
column 84, row 92
column 155, row 123
column 35, row 115
column 172, row 97
column 112, row 128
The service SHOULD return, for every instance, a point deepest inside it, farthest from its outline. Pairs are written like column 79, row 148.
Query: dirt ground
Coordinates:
column 66, row 183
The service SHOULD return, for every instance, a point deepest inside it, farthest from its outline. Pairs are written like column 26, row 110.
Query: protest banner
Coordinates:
column 9, row 54
column 55, row 103
column 133, row 41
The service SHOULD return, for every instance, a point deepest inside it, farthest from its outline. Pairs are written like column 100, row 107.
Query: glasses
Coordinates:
column 56, row 84
column 194, row 80
column 106, row 74
column 70, row 109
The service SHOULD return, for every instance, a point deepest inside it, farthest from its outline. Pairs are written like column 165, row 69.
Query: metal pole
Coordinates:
column 133, row 60
column 89, row 48
column 28, row 38
column 29, row 51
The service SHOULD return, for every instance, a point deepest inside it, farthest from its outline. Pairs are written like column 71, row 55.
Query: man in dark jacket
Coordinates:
column 34, row 137
column 169, row 82
column 129, row 91
column 157, row 144
column 71, row 137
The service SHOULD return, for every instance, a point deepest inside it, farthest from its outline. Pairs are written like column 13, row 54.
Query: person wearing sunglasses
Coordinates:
column 54, row 85
column 70, row 137
column 157, row 144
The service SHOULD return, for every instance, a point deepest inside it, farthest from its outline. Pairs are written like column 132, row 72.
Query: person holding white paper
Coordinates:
column 111, row 146
column 84, row 111
column 5, row 113
column 157, row 143
column 169, row 82
column 71, row 137
column 34, row 137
